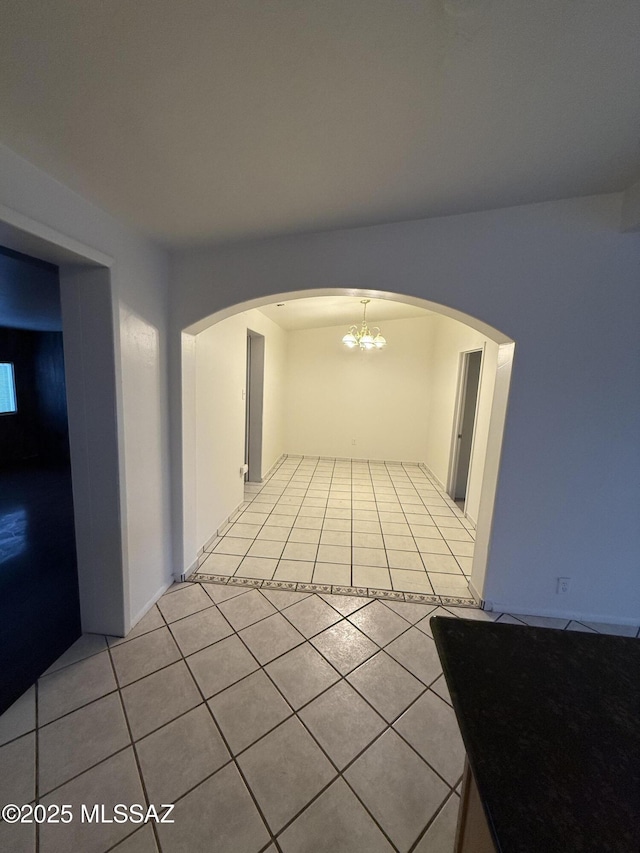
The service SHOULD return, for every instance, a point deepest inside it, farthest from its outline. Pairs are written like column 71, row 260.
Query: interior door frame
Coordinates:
column 463, row 371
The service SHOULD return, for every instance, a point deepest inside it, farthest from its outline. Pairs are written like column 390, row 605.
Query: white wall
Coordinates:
column 351, row 403
column 449, row 339
column 562, row 282
column 137, row 519
column 220, row 378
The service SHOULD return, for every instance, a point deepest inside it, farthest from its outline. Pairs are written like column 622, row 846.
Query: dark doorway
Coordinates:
column 467, row 406
column 39, row 603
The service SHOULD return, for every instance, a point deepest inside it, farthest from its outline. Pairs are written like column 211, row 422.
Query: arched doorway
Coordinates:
column 190, row 550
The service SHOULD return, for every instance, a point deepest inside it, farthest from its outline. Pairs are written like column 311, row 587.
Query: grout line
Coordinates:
column 132, row 744
column 224, row 740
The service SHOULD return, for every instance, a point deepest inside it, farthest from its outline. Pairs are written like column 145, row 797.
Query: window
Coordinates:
column 8, row 403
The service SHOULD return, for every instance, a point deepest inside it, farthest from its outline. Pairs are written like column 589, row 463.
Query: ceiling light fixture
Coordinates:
column 364, row 337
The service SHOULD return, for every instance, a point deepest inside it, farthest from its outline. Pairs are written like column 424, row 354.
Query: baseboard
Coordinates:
column 433, row 476
column 553, row 613
column 147, row 607
column 352, row 459
column 474, row 592
column 274, row 467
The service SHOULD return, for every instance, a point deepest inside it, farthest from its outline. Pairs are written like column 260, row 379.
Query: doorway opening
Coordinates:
column 298, row 520
column 39, row 598
column 464, row 427
column 254, row 406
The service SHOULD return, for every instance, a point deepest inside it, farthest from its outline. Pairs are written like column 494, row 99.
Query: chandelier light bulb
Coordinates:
column 363, row 337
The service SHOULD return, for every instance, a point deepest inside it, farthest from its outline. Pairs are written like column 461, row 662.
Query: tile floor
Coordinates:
column 375, row 528
column 273, row 720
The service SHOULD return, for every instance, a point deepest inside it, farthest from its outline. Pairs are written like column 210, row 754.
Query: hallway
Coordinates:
column 382, row 529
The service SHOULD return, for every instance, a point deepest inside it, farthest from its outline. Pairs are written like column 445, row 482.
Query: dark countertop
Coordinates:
column 551, row 723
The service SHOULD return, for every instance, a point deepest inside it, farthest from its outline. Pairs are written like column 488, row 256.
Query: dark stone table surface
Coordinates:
column 551, row 723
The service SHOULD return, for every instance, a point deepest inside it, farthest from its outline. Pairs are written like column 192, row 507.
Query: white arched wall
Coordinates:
column 192, row 544
column 561, row 280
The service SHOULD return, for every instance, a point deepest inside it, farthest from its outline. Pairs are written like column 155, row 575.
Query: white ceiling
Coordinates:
column 318, row 311
column 216, row 119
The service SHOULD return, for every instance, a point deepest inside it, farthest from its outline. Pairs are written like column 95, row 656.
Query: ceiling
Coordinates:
column 315, row 312
column 224, row 119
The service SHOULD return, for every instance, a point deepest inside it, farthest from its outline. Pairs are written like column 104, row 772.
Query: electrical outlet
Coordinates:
column 563, row 585
column 353, row 441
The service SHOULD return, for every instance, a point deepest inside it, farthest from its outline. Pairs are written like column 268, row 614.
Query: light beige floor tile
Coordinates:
column 312, row 616
column 282, row 598
column 332, row 825
column 334, row 554
column 184, row 602
column 76, row 742
column 409, row 580
column 439, row 687
column 262, row 568
column 18, row 776
column 248, row 710
column 367, row 540
column 84, row 647
column 386, row 685
column 398, row 788
column 379, row 623
column 336, row 537
column 332, row 573
column 344, row 646
column 417, row 653
column 142, row 841
column 450, row 584
column 303, row 534
column 440, row 837
column 303, row 551
column 345, row 604
column 246, row 609
column 309, row 522
column 405, row 560
column 274, row 534
column 462, row 549
column 18, row 837
column 271, row 637
column 282, row 789
column 200, row 630
column 456, row 535
column 441, row 563
column 301, row 675
column 115, row 780
column 278, row 520
column 430, row 726
column 222, row 592
column 144, row 655
column 370, row 557
column 160, row 697
column 266, row 548
column 241, row 530
column 221, row 665
column 372, row 527
column 365, row 515
column 338, row 512
column 342, row 723
column 221, row 564
column 74, row 686
column 295, row 571
column 400, row 543
column 395, row 528
column 374, row 577
column 232, row 545
column 19, row 718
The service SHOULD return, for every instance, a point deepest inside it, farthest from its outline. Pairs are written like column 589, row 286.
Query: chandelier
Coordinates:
column 364, row 337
